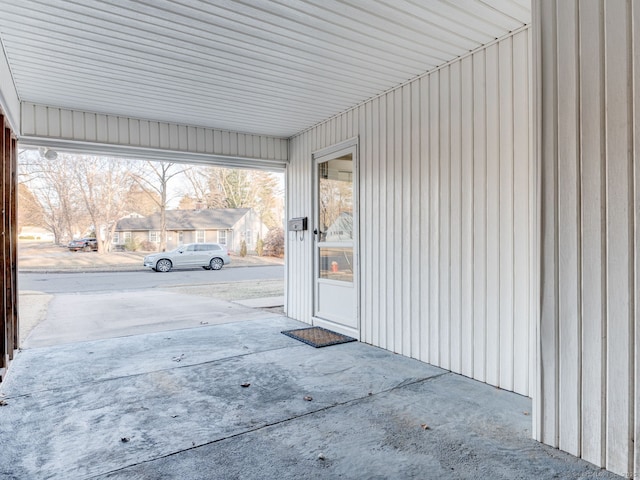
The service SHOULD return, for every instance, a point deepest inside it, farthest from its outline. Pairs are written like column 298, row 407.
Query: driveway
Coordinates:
column 72, row 318
column 242, row 401
column 77, row 296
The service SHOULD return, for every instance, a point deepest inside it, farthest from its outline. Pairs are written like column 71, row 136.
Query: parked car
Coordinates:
column 210, row 256
column 84, row 244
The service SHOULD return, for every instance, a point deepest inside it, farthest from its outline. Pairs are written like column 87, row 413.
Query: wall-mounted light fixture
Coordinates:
column 48, row 153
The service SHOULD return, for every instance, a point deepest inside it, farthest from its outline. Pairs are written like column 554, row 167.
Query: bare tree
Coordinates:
column 204, row 187
column 104, row 184
column 53, row 185
column 141, row 201
column 31, row 212
column 269, row 198
column 154, row 179
column 238, row 188
column 255, row 189
column 187, row 202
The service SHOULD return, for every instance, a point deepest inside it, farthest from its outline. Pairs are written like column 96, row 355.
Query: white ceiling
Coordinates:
column 272, row 67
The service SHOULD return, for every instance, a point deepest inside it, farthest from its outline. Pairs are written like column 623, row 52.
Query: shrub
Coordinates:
column 274, row 242
column 132, row 245
column 243, row 249
column 148, row 246
column 260, row 246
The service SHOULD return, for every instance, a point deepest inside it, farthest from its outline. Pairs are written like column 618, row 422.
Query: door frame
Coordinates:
column 318, row 156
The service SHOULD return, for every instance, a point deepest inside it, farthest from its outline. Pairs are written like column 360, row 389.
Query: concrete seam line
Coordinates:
column 133, row 375
column 267, row 425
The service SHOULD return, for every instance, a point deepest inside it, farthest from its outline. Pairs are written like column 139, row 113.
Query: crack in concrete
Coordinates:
column 148, row 372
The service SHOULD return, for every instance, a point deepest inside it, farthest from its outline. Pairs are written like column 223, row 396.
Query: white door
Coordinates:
column 335, row 246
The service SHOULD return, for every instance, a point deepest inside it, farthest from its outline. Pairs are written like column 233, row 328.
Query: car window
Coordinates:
column 189, row 248
column 206, row 247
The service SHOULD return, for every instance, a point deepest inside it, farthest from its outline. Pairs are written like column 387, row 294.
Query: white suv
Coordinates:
column 210, row 256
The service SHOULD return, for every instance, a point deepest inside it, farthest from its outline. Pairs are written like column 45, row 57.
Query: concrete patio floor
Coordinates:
column 171, row 405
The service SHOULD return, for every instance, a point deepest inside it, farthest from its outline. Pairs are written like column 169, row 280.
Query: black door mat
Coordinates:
column 318, row 336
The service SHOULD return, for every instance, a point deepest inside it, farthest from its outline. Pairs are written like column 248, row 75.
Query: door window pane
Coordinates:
column 336, row 263
column 335, row 190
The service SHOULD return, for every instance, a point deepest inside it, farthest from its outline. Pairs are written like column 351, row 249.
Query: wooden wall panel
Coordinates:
column 6, row 347
column 635, row 38
column 13, row 244
column 8, row 246
column 587, row 58
column 51, row 126
column 7, row 304
column 445, row 216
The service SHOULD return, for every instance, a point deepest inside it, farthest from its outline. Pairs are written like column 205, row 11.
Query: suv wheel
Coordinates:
column 216, row 263
column 163, row 265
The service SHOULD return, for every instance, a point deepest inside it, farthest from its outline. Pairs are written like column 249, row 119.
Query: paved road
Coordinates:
column 121, row 281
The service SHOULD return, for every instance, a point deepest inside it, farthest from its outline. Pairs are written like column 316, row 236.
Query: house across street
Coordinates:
column 226, row 226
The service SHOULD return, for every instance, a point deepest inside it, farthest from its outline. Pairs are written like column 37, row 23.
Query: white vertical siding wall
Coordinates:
column 587, row 134
column 90, row 131
column 445, row 216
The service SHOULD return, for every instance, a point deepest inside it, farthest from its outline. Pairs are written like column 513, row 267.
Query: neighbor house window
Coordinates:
column 127, row 237
column 116, row 237
column 222, row 237
column 154, row 236
column 249, row 239
column 199, row 236
column 180, row 238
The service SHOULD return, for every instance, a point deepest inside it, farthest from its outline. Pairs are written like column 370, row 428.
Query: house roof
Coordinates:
column 205, row 219
column 266, row 67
